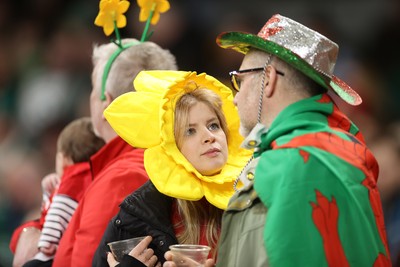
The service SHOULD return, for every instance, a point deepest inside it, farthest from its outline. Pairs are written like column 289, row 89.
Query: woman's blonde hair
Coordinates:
column 195, row 213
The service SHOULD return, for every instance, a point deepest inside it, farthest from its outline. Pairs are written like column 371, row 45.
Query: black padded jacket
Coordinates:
column 144, row 212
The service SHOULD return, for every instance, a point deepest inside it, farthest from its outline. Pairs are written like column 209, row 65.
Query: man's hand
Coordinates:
column 26, row 246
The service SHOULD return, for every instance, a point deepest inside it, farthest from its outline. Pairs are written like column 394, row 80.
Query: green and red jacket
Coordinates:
column 317, row 179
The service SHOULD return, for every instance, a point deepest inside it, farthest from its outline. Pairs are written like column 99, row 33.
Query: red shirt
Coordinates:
column 117, row 170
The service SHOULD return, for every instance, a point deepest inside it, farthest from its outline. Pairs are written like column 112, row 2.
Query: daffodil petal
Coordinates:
column 141, row 3
column 156, row 18
column 102, row 4
column 217, row 194
column 99, row 21
column 144, row 14
column 123, row 7
column 134, row 117
column 108, row 28
column 163, row 6
column 121, row 21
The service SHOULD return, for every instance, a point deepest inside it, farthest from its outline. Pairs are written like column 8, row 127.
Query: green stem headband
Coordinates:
column 107, row 68
column 145, row 37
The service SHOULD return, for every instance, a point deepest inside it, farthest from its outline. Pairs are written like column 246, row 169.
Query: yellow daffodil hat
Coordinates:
column 145, row 119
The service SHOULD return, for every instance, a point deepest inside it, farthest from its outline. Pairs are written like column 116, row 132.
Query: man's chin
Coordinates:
column 244, row 131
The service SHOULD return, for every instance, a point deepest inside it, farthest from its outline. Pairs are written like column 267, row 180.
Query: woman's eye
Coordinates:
column 214, row 126
column 190, row 131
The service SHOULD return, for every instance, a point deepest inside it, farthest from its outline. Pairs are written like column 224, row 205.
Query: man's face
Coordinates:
column 247, row 99
column 96, row 105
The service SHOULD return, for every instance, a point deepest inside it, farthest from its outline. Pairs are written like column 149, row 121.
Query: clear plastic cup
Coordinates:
column 121, row 247
column 187, row 255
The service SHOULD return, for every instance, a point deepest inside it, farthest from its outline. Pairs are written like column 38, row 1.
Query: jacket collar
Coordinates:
column 107, row 154
column 317, row 113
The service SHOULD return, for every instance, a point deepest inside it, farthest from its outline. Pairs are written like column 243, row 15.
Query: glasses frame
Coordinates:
column 234, row 73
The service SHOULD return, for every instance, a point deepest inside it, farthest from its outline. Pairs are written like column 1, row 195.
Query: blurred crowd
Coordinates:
column 45, row 66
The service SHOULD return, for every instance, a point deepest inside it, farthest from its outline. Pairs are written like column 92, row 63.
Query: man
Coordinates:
column 313, row 200
column 117, row 169
column 315, row 177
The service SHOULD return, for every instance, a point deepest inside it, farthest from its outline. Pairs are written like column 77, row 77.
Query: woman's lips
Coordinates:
column 211, row 152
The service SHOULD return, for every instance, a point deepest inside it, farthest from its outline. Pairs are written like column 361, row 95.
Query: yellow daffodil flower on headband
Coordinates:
column 111, row 15
column 155, row 6
column 150, row 12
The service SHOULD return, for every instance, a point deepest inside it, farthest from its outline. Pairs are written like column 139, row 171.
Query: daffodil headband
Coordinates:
column 111, row 17
column 145, row 119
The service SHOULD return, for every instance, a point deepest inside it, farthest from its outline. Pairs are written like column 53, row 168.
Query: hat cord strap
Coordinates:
column 262, row 89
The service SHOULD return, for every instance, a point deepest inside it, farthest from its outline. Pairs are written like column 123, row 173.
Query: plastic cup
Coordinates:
column 121, row 247
column 185, row 255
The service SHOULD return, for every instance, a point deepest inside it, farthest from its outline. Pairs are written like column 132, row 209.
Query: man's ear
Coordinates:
column 270, row 81
column 109, row 98
column 107, row 101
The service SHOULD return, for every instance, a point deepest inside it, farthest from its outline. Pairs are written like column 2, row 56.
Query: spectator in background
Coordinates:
column 386, row 148
column 75, row 145
column 21, row 171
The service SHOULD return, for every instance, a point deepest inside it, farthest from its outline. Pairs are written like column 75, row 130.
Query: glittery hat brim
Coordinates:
column 242, row 42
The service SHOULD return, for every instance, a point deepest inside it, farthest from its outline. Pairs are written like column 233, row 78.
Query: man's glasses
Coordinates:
column 235, row 80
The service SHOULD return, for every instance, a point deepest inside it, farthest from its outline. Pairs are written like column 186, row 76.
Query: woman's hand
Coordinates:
column 170, row 263
column 144, row 254
column 141, row 253
column 111, row 260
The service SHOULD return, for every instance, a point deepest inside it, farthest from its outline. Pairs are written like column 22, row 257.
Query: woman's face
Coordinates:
column 204, row 144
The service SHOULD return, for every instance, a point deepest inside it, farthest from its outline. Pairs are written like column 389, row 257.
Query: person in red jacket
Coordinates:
column 62, row 191
column 117, row 169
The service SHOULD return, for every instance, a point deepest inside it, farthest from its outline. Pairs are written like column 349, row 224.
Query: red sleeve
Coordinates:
column 17, row 232
column 75, row 180
column 99, row 205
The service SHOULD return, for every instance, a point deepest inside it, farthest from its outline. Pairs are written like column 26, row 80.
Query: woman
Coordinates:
column 179, row 117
